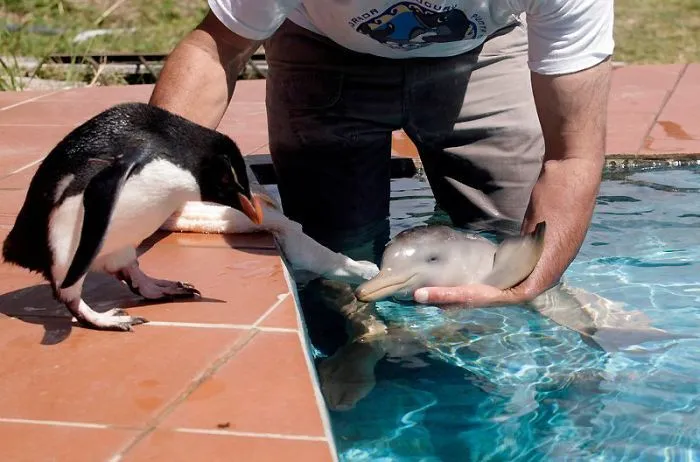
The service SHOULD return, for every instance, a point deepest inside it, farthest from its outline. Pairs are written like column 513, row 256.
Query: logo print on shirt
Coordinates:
column 408, row 25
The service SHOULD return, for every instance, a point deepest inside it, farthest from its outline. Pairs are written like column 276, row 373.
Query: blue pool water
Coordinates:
column 513, row 386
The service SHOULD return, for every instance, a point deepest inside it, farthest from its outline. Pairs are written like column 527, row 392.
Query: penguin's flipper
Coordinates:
column 99, row 200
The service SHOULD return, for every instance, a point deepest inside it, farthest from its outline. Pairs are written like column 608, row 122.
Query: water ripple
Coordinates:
column 511, row 385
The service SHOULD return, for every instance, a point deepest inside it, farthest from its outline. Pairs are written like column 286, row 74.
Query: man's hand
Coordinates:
column 471, row 296
column 572, row 109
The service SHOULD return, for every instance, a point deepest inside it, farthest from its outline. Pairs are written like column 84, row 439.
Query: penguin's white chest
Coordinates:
column 147, row 199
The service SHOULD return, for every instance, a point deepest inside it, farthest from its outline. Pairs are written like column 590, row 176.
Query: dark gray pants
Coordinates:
column 331, row 113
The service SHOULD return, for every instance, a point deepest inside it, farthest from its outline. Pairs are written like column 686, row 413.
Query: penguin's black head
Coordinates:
column 224, row 180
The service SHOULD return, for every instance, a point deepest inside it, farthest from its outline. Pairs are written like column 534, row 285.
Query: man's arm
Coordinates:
column 199, row 77
column 572, row 109
column 573, row 114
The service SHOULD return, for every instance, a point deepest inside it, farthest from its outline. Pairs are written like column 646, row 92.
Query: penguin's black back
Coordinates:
column 89, row 148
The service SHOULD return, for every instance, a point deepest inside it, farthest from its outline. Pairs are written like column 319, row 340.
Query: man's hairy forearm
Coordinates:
column 564, row 196
column 199, row 77
column 573, row 113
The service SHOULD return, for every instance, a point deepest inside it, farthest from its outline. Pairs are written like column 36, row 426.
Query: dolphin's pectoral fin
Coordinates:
column 515, row 259
column 99, row 199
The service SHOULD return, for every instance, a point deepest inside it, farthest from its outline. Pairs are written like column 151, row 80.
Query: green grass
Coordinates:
column 646, row 31
column 657, row 31
column 159, row 24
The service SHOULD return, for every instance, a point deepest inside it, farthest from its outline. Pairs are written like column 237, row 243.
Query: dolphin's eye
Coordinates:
column 433, row 258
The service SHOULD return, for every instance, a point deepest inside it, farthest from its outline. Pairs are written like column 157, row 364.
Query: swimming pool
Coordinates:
column 521, row 388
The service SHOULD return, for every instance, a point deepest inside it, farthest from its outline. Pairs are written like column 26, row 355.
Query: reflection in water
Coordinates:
column 512, row 385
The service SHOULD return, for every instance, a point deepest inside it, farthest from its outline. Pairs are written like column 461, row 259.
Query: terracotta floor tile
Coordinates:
column 626, row 131
column 19, row 180
column 402, row 145
column 41, row 112
column 260, row 240
column 248, row 91
column 44, row 443
column 672, row 130
column 665, row 147
column 651, row 77
column 27, row 294
column 248, row 141
column 237, row 286
column 117, row 378
column 265, row 388
column 284, row 315
column 108, row 95
column 30, row 139
column 249, row 114
column 636, row 98
column 679, row 118
column 188, row 447
column 263, row 149
column 9, row 98
column 10, row 164
column 621, row 145
column 11, row 201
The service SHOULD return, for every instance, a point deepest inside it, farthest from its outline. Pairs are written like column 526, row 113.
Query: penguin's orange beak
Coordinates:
column 252, row 208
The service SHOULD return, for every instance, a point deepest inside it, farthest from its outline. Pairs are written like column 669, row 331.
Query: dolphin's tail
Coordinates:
column 612, row 339
column 599, row 320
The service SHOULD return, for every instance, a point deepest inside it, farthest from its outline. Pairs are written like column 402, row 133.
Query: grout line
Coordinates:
column 250, row 153
column 671, row 92
column 30, row 100
column 54, row 423
column 280, row 299
column 202, row 431
column 205, row 325
column 310, row 368
column 38, row 125
column 193, row 385
column 25, row 167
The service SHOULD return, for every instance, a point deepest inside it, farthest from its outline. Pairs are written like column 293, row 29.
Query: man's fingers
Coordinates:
column 442, row 295
column 471, row 296
column 467, row 296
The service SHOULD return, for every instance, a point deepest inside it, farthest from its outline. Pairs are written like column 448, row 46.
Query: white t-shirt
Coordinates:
column 563, row 35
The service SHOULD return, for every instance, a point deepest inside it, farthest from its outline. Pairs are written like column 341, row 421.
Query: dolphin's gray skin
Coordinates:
column 441, row 256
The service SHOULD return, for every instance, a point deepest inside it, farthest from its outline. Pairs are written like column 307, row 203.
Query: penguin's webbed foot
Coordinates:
column 114, row 319
column 153, row 289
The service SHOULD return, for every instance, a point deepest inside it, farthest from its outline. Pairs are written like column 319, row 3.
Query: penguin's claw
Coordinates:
column 154, row 289
column 188, row 289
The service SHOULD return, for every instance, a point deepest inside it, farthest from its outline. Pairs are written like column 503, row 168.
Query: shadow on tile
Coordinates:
column 34, row 303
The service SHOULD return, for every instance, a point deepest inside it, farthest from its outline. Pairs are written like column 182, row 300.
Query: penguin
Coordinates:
column 110, row 184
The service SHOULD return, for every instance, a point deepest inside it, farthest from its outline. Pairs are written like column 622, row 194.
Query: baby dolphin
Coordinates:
column 442, row 256
column 107, row 186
